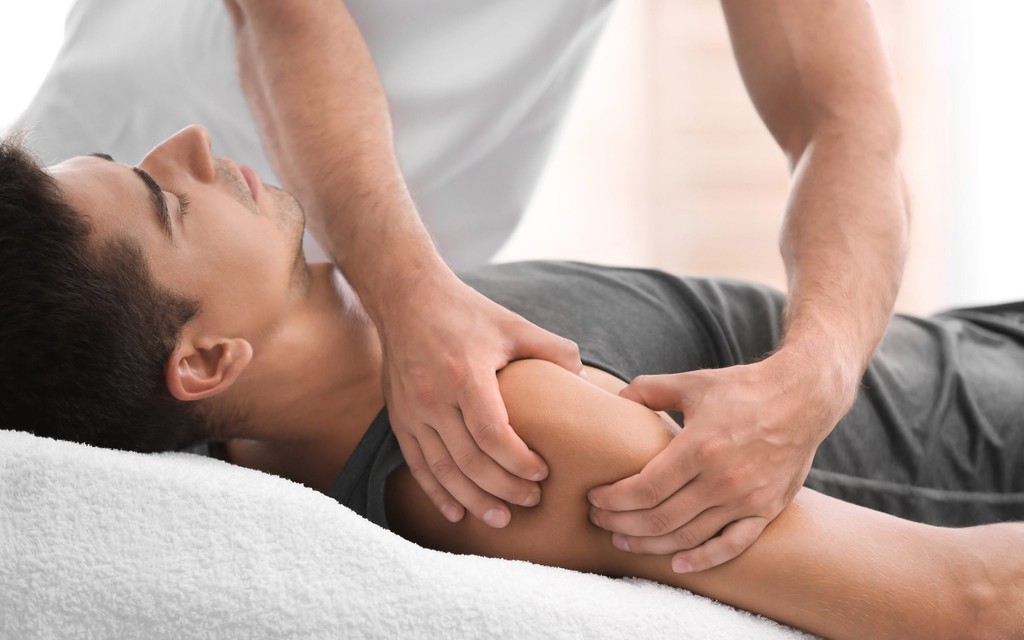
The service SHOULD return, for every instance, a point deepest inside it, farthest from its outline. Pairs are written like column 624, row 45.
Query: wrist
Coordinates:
column 401, row 281
column 826, row 379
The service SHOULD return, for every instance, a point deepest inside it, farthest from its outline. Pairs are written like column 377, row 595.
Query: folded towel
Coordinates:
column 112, row 544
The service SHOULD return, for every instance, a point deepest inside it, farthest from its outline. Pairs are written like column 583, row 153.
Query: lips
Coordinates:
column 252, row 179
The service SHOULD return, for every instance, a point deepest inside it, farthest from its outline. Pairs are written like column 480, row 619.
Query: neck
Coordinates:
column 312, row 388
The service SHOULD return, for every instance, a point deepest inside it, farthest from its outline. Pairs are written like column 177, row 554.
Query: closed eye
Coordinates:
column 183, row 203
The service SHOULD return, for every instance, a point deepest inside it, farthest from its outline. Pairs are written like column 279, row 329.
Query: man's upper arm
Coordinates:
column 811, row 64
column 586, row 435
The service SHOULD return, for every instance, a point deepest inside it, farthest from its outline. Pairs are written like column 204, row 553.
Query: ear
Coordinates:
column 198, row 371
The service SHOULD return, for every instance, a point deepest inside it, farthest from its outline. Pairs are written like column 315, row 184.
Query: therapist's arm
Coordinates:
column 817, row 74
column 316, row 96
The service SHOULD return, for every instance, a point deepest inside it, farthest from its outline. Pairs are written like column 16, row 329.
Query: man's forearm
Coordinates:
column 323, row 117
column 844, row 244
column 818, row 76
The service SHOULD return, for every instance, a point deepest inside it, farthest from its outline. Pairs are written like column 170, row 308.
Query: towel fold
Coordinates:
column 111, row 544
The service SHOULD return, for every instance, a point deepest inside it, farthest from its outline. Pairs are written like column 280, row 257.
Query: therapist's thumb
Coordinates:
column 658, row 392
column 534, row 342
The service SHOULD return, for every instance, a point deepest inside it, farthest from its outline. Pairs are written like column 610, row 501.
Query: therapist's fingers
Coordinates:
column 420, row 470
column 486, row 420
column 659, row 392
column 533, row 342
column 734, row 540
column 489, row 452
column 662, row 477
column 692, row 535
column 672, row 514
column 443, row 467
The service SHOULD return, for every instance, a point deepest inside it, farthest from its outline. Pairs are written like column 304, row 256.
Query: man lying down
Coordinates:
column 161, row 306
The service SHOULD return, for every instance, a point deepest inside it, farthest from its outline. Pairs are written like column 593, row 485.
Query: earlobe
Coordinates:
column 197, row 371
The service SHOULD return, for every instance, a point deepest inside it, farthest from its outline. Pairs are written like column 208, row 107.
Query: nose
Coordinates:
column 188, row 150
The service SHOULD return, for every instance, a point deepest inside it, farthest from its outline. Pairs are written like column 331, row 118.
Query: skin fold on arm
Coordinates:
column 829, row 567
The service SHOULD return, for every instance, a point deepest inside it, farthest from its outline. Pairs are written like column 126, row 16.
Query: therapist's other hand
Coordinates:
column 750, row 433
column 443, row 343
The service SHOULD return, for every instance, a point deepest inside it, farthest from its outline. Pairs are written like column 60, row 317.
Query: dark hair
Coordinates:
column 85, row 332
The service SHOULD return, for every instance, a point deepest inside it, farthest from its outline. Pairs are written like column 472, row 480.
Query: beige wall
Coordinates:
column 664, row 162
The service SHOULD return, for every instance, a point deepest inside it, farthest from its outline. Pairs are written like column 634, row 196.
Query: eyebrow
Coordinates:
column 156, row 196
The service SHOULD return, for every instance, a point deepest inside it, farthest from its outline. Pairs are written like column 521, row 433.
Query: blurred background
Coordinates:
column 663, row 161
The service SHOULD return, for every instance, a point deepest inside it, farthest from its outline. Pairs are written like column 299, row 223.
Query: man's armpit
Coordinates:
column 586, row 435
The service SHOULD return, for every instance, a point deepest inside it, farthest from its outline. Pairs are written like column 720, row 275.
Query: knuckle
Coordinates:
column 733, row 546
column 710, row 449
column 752, row 501
column 488, row 434
column 469, row 461
column 649, row 495
column 733, row 479
column 687, row 538
column 657, row 523
column 442, row 468
column 457, row 370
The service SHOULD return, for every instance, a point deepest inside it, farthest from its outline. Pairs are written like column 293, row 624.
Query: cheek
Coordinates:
column 240, row 268
column 253, row 256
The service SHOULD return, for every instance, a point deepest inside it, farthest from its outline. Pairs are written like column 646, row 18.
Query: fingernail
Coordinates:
column 533, row 499
column 681, row 566
column 593, row 500
column 540, row 475
column 619, row 542
column 450, row 512
column 496, row 518
column 583, row 373
column 593, row 517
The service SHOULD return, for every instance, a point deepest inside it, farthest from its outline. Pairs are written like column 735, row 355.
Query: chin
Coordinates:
column 291, row 218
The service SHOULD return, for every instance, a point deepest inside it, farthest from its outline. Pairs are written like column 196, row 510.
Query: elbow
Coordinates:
column 873, row 129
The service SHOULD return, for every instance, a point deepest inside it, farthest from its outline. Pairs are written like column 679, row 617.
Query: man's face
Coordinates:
column 209, row 229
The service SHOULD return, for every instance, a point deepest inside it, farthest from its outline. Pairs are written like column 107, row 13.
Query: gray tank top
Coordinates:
column 936, row 434
column 626, row 322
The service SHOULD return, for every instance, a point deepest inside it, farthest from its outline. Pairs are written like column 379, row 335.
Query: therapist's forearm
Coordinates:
column 844, row 243
column 318, row 100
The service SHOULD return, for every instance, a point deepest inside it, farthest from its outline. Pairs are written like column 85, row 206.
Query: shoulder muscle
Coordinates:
column 587, row 435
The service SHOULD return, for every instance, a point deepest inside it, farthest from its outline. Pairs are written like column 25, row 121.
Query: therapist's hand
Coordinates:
column 443, row 342
column 749, row 435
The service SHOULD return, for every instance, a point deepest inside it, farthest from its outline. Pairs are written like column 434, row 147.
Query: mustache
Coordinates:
column 234, row 180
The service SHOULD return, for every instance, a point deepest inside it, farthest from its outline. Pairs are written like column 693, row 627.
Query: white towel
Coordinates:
column 111, row 544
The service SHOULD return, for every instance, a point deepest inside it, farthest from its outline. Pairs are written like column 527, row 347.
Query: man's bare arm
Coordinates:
column 817, row 73
column 314, row 90
column 323, row 115
column 826, row 566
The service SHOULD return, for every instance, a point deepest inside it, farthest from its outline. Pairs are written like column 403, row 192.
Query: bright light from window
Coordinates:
column 32, row 35
column 985, row 49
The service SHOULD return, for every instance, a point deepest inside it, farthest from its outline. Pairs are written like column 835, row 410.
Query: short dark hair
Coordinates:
column 85, row 331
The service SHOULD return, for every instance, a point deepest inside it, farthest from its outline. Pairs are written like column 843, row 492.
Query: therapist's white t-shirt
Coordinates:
column 476, row 88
